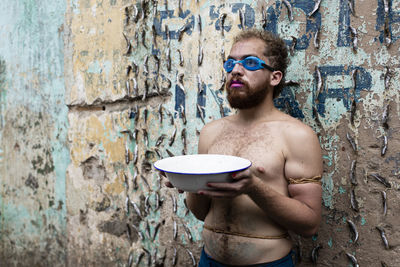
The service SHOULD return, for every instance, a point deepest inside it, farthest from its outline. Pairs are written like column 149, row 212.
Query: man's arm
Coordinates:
column 199, row 205
column 301, row 211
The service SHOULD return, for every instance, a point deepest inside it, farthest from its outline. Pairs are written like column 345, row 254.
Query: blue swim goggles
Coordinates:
column 249, row 63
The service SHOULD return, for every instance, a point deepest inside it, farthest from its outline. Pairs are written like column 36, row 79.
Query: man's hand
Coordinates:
column 243, row 182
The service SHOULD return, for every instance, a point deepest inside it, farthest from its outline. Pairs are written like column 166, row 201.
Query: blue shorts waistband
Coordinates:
column 207, row 261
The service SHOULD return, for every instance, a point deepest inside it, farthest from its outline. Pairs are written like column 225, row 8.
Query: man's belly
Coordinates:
column 239, row 250
column 240, row 233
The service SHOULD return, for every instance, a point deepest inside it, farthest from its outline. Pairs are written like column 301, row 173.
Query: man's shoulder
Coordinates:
column 209, row 133
column 215, row 125
column 293, row 126
column 299, row 136
column 294, row 133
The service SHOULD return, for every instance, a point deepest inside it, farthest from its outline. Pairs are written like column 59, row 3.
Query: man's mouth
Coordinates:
column 236, row 84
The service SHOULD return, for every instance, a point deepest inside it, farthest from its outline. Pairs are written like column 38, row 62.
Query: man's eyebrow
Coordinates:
column 243, row 56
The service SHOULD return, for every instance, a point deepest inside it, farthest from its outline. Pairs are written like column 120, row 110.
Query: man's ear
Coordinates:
column 276, row 77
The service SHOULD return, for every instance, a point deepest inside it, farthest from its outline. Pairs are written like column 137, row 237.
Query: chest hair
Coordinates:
column 242, row 142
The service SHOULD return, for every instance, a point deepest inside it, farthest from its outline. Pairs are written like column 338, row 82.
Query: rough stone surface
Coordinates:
column 93, row 92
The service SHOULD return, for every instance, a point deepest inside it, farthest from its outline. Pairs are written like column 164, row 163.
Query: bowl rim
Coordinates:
column 204, row 173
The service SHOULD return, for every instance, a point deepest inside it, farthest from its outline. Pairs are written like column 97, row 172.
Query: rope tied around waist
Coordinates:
column 222, row 231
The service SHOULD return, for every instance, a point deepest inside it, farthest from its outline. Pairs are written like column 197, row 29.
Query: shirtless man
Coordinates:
column 247, row 222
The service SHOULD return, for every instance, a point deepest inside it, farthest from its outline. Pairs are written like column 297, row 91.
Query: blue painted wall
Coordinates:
column 33, row 132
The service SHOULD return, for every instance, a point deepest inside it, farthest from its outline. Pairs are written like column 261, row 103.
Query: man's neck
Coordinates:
column 264, row 111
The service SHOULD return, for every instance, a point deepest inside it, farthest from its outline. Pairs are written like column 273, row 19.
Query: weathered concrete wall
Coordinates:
column 140, row 78
column 33, row 131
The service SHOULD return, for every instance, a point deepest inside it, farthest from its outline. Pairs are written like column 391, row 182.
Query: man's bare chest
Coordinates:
column 252, row 144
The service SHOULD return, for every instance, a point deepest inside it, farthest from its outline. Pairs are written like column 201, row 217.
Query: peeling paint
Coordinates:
column 335, row 59
column 33, row 132
column 330, row 242
column 66, row 96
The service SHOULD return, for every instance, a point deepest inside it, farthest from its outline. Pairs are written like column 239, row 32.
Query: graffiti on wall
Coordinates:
column 170, row 25
column 169, row 74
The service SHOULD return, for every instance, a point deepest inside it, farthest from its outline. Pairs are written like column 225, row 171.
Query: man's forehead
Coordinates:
column 248, row 47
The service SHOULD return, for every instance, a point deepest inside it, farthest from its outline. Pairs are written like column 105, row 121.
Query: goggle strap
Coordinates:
column 268, row 67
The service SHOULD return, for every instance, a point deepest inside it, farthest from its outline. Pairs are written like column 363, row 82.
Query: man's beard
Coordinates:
column 252, row 98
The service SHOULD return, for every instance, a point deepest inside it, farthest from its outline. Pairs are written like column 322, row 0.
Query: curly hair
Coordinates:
column 275, row 50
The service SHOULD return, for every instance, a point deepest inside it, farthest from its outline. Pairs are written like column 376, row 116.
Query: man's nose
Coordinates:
column 238, row 69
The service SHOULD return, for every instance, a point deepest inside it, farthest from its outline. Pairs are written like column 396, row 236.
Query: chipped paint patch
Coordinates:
column 363, row 221
column 342, row 190
column 97, row 68
column 330, row 242
column 328, row 187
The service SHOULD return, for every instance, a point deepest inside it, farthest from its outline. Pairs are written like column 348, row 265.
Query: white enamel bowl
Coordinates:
column 192, row 172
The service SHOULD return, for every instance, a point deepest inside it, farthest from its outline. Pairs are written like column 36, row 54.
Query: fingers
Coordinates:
column 224, row 186
column 219, row 190
column 223, row 189
column 248, row 172
column 241, row 174
column 242, row 181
